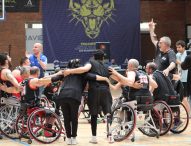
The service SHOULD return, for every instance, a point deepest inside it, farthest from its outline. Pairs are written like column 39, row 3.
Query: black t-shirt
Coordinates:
column 72, row 87
column 163, row 60
column 187, row 65
column 164, row 86
column 98, row 68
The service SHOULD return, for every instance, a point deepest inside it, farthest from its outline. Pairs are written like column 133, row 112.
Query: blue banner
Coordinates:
column 71, row 28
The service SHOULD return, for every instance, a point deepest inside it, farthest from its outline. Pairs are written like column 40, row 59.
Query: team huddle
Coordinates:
column 142, row 92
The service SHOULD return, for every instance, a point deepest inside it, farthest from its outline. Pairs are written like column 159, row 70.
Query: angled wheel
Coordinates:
column 166, row 116
column 180, row 119
column 21, row 126
column 152, row 124
column 123, row 122
column 8, row 116
column 44, row 126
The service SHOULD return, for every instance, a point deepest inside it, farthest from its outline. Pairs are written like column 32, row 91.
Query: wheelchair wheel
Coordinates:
column 21, row 126
column 180, row 119
column 166, row 116
column 152, row 124
column 116, row 102
column 123, row 122
column 44, row 126
column 8, row 116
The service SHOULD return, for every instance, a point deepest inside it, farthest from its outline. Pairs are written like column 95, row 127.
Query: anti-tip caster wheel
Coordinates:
column 29, row 141
column 133, row 139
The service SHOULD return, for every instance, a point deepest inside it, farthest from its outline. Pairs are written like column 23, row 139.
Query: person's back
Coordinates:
column 73, row 87
column 99, row 69
column 144, row 91
column 29, row 95
column 164, row 86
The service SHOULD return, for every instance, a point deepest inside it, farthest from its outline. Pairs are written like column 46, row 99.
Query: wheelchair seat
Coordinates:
column 144, row 103
column 172, row 99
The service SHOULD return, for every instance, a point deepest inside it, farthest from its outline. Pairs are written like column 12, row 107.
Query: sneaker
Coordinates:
column 68, row 141
column 93, row 140
column 74, row 141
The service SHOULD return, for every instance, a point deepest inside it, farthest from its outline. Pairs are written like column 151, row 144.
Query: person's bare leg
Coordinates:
column 186, row 104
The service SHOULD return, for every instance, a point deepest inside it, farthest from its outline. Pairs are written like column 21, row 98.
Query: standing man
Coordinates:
column 165, row 56
column 38, row 59
column 180, row 57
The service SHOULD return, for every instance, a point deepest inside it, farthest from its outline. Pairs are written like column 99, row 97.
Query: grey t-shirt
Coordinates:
column 163, row 60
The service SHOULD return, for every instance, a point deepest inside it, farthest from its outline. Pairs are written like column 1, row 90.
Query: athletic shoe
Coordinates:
column 74, row 141
column 68, row 141
column 94, row 140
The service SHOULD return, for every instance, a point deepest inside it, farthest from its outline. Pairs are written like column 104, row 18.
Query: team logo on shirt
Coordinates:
column 163, row 58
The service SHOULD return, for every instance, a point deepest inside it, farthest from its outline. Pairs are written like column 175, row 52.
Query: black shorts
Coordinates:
column 99, row 98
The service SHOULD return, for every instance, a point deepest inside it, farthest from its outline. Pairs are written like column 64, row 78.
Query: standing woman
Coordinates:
column 69, row 99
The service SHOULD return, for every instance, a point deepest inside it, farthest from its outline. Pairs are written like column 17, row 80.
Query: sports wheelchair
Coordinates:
column 8, row 114
column 126, row 115
column 174, row 115
column 39, row 123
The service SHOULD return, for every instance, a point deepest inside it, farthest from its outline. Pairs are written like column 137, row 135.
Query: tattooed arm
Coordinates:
column 7, row 75
column 8, row 89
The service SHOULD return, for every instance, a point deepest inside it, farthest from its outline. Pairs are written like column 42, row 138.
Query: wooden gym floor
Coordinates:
column 84, row 135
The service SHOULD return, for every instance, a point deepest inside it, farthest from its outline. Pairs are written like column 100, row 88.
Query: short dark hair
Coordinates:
column 3, row 59
column 23, row 59
column 152, row 66
column 99, row 54
column 181, row 43
column 34, row 70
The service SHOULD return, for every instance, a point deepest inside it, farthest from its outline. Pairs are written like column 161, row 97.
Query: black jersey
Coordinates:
column 165, row 86
column 144, row 91
column 29, row 94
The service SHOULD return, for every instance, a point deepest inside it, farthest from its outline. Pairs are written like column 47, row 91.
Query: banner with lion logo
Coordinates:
column 71, row 28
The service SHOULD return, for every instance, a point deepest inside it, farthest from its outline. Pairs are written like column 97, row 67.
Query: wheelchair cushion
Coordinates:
column 144, row 103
